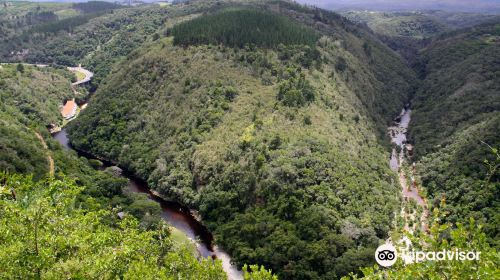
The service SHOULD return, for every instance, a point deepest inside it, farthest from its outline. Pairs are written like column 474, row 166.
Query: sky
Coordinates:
column 449, row 5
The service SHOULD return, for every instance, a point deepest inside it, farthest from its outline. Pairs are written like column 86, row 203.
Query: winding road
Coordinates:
column 87, row 73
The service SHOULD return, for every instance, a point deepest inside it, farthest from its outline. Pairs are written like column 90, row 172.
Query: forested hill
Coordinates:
column 30, row 99
column 266, row 117
column 96, row 39
column 64, row 222
column 278, row 143
column 409, row 31
column 456, row 116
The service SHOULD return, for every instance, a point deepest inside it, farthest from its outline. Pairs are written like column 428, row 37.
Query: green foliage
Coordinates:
column 295, row 90
column 62, row 228
column 29, row 100
column 401, row 24
column 20, row 150
column 341, row 64
column 255, row 272
column 408, row 32
column 95, row 6
column 74, row 39
column 45, row 235
column 36, row 92
column 67, row 24
column 416, row 24
column 20, row 68
column 307, row 199
column 303, row 200
column 457, row 172
column 266, row 186
column 15, row 17
column 307, row 120
column 239, row 27
column 456, row 111
column 469, row 237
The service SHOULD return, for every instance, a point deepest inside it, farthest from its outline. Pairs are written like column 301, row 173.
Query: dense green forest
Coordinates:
column 95, row 39
column 408, row 32
column 37, row 92
column 468, row 236
column 46, row 235
column 16, row 17
column 23, row 18
column 49, row 220
column 280, row 150
column 267, row 118
column 31, row 97
column 456, row 118
column 236, row 28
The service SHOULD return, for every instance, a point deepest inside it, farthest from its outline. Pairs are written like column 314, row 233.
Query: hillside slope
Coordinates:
column 50, row 214
column 409, row 31
column 51, row 236
column 456, row 117
column 30, row 99
column 280, row 148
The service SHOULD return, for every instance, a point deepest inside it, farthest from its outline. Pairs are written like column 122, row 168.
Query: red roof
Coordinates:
column 69, row 109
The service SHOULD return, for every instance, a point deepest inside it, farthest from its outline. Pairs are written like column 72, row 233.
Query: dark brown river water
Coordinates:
column 175, row 214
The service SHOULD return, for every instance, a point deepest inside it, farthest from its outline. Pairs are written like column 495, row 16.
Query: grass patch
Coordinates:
column 66, row 13
column 79, row 75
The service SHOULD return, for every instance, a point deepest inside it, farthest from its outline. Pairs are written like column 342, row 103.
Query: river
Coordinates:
column 398, row 132
column 175, row 214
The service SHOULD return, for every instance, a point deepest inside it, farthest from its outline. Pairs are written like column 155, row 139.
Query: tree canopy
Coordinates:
column 238, row 27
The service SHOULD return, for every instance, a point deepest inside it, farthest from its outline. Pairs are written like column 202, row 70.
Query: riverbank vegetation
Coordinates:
column 466, row 237
column 278, row 149
column 31, row 97
column 46, row 234
column 48, row 219
column 455, row 123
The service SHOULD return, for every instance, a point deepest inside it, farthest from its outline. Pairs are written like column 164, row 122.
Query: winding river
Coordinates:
column 181, row 218
column 177, row 215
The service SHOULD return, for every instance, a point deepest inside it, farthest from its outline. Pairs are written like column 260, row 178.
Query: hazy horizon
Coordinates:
column 489, row 6
column 482, row 6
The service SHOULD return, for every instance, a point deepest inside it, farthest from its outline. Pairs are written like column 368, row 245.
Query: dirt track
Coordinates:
column 50, row 160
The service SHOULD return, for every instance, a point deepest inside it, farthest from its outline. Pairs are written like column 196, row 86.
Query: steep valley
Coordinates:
column 273, row 138
column 280, row 131
column 456, row 120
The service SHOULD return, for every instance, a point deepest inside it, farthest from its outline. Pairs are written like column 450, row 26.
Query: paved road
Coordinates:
column 87, row 73
column 28, row 64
